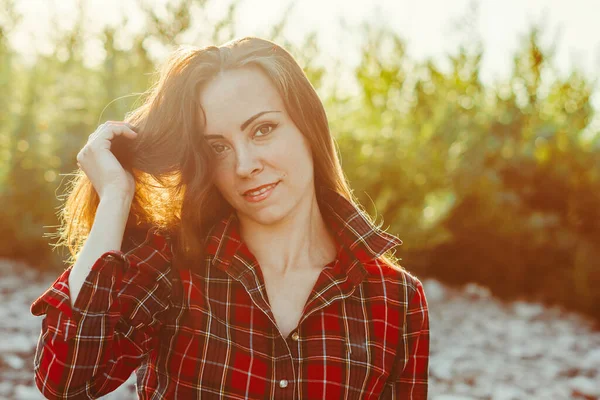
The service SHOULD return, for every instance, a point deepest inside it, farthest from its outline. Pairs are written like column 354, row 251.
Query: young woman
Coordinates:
column 220, row 253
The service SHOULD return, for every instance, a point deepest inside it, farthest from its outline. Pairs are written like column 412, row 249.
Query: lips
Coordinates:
column 247, row 192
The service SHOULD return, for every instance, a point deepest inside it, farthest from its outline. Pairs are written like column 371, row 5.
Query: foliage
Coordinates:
column 493, row 183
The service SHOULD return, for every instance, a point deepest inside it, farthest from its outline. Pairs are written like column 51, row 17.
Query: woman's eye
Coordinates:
column 218, row 148
column 264, row 130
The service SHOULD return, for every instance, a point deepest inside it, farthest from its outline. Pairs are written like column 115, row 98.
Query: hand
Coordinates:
column 101, row 166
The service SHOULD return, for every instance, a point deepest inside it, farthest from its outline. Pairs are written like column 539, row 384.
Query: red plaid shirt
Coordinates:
column 207, row 331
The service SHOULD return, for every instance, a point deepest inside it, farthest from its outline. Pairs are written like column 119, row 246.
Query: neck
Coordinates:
column 298, row 242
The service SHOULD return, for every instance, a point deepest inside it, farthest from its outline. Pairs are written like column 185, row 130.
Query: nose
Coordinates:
column 247, row 163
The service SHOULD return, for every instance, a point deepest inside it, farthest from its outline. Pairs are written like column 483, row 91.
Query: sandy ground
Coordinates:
column 481, row 348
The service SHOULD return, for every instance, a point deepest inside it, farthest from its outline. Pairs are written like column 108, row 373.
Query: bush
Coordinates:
column 493, row 183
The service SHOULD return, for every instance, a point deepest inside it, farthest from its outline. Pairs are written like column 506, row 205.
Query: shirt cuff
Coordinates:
column 55, row 302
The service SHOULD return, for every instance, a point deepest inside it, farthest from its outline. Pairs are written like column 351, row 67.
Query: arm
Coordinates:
column 409, row 378
column 89, row 348
column 106, row 234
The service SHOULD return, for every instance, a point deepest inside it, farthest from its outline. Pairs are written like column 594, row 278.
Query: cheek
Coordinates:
column 223, row 179
column 299, row 157
column 294, row 154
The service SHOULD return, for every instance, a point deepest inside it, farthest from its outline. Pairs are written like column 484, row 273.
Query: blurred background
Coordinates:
column 469, row 128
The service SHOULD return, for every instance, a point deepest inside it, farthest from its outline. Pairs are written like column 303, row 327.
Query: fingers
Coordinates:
column 131, row 126
column 100, row 139
column 127, row 124
column 110, row 129
column 130, row 132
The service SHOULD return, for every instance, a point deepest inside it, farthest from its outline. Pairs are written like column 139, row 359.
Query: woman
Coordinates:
column 246, row 269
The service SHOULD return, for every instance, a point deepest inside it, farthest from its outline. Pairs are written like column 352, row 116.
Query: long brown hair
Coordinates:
column 170, row 161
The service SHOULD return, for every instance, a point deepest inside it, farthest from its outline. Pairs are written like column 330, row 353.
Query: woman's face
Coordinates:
column 256, row 145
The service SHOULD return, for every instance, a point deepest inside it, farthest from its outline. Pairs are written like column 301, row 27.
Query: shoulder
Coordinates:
column 387, row 274
column 147, row 242
column 397, row 295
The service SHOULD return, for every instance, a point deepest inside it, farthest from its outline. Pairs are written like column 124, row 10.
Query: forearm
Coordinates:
column 106, row 234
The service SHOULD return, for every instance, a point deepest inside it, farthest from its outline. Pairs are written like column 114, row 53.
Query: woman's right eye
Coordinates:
column 218, row 148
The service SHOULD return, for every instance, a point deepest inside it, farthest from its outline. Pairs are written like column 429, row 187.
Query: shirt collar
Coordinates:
column 354, row 234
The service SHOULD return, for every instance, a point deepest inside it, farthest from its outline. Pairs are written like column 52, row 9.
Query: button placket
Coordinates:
column 285, row 370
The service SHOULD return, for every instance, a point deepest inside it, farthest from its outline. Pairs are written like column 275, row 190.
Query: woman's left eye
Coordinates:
column 264, row 130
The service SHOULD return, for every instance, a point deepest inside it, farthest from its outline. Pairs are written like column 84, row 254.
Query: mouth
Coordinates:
column 260, row 193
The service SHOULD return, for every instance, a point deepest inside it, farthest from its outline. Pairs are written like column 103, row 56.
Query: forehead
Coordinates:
column 235, row 95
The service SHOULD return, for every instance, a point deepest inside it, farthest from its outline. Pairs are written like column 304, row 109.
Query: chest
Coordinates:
column 287, row 297
column 226, row 339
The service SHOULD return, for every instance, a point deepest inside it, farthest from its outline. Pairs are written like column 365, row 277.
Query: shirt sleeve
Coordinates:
column 90, row 349
column 410, row 375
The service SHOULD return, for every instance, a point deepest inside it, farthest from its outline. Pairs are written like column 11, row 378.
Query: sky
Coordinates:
column 427, row 25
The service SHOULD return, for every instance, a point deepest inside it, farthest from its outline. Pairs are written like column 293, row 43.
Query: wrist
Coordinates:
column 110, row 195
column 119, row 200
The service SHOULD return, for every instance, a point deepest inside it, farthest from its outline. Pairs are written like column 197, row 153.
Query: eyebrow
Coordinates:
column 244, row 125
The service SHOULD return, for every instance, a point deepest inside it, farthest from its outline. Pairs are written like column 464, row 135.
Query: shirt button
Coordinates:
column 283, row 383
column 295, row 336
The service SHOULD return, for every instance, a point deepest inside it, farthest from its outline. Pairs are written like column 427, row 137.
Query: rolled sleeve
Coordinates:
column 89, row 349
column 55, row 302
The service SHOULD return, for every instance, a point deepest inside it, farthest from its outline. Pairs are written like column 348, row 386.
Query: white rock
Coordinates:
column 27, row 393
column 527, row 310
column 476, row 291
column 18, row 343
column 5, row 389
column 505, row 392
column 14, row 361
column 585, row 385
column 434, row 290
column 441, row 369
column 591, row 360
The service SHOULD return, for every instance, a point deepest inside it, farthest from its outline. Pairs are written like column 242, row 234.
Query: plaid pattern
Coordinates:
column 207, row 331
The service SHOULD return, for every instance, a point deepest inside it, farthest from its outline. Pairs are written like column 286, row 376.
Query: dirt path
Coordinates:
column 481, row 348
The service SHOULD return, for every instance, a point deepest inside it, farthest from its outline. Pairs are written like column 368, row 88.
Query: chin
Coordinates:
column 268, row 216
